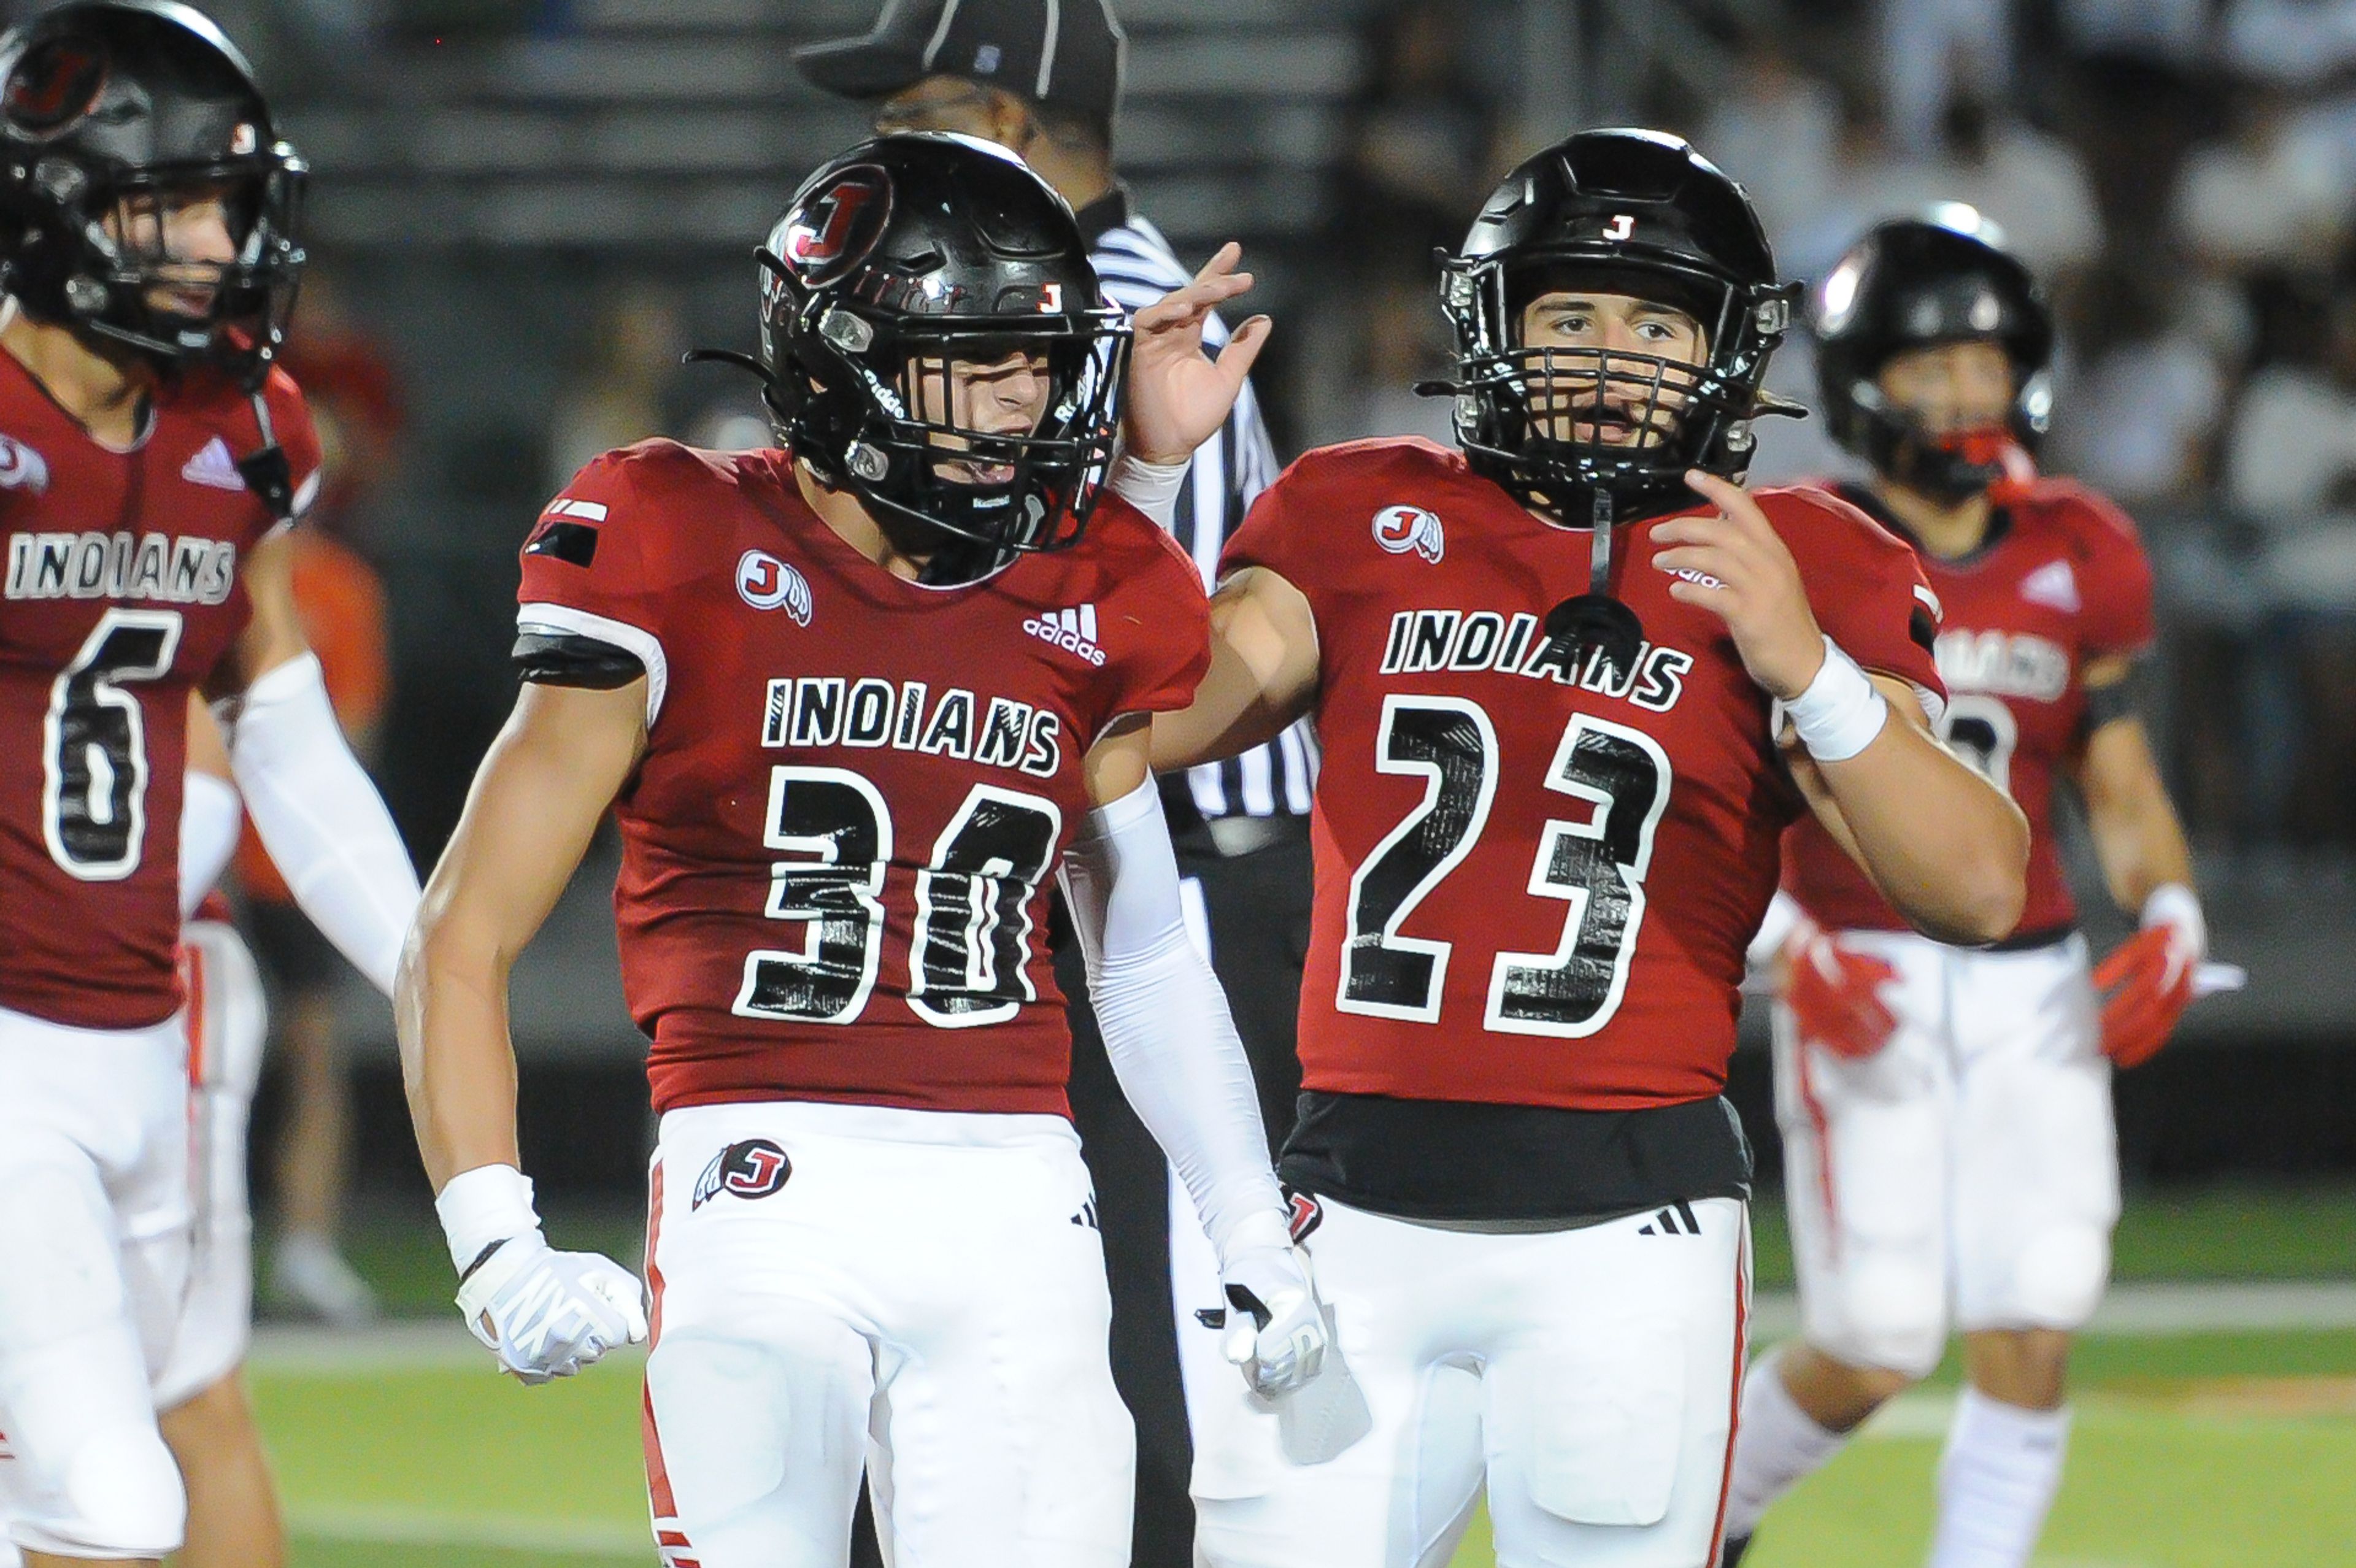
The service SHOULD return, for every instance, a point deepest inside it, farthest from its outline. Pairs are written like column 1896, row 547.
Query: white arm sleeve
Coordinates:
column 321, row 819
column 1164, row 1019
column 1151, row 487
column 1783, row 917
column 211, row 819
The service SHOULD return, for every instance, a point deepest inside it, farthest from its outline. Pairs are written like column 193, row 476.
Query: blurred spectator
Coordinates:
column 2295, row 42
column 2277, row 193
column 1778, row 131
column 1935, row 54
column 2291, row 454
column 617, row 396
column 2033, row 185
column 2150, row 389
column 2176, row 31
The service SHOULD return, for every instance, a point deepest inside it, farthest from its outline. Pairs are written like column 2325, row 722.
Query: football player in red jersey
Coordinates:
column 150, row 458
column 1946, row 1113
column 854, row 701
column 1549, row 672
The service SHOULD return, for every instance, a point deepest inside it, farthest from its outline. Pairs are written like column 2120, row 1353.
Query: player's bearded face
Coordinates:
column 1007, row 396
column 1609, row 369
column 1952, row 388
column 185, row 238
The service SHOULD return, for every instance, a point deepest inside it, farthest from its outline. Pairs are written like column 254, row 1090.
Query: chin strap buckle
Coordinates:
column 266, row 470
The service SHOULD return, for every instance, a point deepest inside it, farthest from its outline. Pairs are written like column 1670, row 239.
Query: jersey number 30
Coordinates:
column 970, row 952
column 1595, row 864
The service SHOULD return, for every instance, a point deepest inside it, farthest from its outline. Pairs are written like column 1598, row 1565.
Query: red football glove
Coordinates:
column 1836, row 994
column 2146, row 982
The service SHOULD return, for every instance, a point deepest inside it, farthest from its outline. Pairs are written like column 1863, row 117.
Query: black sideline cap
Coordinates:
column 1066, row 53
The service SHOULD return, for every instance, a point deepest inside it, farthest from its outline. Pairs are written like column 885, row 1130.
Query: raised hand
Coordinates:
column 1744, row 573
column 1177, row 398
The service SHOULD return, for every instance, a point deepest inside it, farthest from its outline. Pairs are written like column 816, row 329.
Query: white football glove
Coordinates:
column 547, row 1313
column 1275, row 1326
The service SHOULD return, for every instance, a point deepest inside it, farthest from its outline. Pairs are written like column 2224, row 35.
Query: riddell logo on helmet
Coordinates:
column 1074, row 631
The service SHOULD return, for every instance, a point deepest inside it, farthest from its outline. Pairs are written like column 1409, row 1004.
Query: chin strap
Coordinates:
column 1595, row 620
column 266, row 469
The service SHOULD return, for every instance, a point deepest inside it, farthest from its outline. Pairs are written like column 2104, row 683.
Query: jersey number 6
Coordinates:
column 1596, row 865
column 94, row 749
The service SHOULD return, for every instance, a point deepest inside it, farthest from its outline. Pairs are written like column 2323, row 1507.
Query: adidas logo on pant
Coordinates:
column 1074, row 631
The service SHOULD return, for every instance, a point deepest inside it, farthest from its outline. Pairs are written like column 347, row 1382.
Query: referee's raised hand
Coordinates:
column 1178, row 398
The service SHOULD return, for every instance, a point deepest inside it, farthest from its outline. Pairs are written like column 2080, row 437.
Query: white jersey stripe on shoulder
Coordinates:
column 566, row 621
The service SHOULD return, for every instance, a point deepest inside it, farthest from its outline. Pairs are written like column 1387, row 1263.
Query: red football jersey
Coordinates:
column 120, row 590
column 856, row 788
column 2061, row 582
column 1534, row 883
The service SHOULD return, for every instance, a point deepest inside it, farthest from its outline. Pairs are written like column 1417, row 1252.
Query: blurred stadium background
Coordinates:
column 523, row 210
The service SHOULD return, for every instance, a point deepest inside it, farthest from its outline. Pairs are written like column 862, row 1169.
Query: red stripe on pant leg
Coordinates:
column 1734, row 1410
column 1821, row 1122
column 192, row 982
column 658, row 1493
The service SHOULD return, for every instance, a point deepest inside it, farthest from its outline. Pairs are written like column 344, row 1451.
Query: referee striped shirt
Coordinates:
column 1135, row 266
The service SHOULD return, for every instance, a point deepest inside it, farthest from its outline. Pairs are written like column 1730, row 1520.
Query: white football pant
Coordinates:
column 1585, row 1379
column 95, row 1215
column 1967, row 1173
column 918, row 1292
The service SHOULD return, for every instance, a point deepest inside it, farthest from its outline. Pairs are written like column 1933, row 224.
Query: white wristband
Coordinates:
column 2173, row 903
column 1783, row 917
column 1151, row 487
column 489, row 1203
column 1840, row 713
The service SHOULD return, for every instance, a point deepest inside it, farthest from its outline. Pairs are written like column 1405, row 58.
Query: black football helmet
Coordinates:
column 1912, row 283
column 907, row 255
column 113, row 114
column 1627, row 211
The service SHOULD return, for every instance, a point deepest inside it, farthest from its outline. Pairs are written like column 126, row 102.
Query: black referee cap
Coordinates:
column 1066, row 53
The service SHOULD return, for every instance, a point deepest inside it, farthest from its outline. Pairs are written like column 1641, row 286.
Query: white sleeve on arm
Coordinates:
column 321, row 819
column 1165, row 1022
column 1151, row 487
column 211, row 819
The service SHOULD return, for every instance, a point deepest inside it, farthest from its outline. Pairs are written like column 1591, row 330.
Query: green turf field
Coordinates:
column 2194, row 1451
column 2227, row 1232
column 2190, row 1450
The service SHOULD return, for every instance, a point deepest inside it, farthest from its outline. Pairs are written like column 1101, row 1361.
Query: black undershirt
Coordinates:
column 1460, row 1161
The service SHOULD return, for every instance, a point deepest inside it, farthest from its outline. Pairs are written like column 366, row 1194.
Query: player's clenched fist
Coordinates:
column 1749, row 579
column 545, row 1314
column 1276, row 1325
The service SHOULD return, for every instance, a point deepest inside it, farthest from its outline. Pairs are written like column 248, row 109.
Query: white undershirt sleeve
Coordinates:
column 321, row 819
column 1165, row 1021
column 210, row 819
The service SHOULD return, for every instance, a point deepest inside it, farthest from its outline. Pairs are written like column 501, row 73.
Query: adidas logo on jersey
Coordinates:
column 1074, row 631
column 214, row 467
column 2053, row 585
